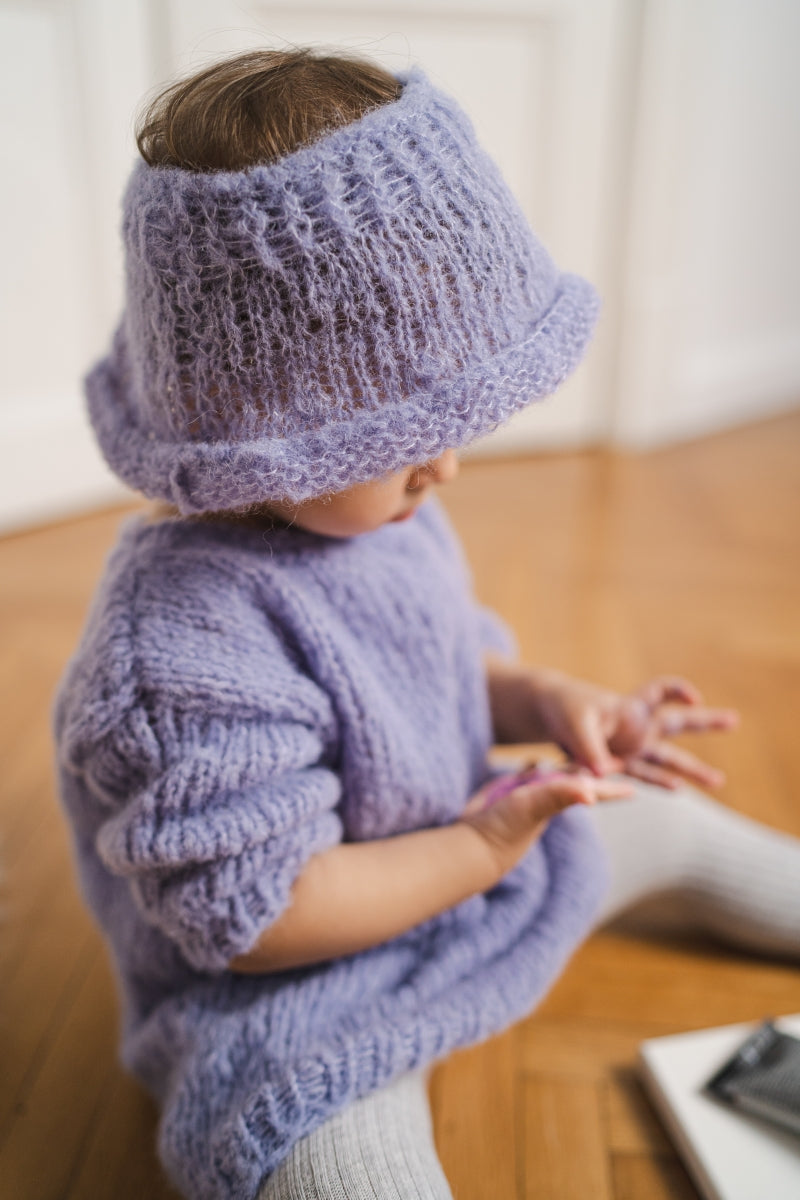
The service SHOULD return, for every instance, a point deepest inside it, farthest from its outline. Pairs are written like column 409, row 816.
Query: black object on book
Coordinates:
column 763, row 1077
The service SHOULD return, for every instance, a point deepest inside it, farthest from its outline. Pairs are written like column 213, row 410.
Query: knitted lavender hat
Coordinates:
column 356, row 307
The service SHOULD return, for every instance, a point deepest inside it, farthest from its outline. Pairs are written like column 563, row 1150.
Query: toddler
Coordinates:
column 272, row 740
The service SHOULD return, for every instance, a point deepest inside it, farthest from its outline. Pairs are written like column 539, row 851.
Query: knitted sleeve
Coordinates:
column 219, row 824
column 210, row 768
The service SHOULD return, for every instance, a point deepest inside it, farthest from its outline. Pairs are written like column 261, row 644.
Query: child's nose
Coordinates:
column 444, row 468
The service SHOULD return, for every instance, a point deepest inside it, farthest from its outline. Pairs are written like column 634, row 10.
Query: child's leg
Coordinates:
column 701, row 866
column 381, row 1146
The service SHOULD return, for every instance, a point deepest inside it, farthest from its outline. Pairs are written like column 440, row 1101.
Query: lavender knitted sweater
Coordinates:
column 241, row 700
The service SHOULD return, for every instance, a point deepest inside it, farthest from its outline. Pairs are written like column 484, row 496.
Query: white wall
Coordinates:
column 71, row 72
column 654, row 144
column 710, row 325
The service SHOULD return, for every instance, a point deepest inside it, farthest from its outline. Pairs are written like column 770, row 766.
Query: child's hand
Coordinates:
column 608, row 732
column 511, row 813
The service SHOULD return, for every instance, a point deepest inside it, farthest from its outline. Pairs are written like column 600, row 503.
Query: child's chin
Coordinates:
column 404, row 516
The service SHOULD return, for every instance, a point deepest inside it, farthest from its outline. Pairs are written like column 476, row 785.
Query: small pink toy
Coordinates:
column 540, row 773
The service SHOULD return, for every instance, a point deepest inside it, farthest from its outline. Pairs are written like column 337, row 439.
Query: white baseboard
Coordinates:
column 51, row 467
column 717, row 389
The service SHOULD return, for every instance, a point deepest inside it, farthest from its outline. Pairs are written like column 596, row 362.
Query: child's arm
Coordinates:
column 359, row 894
column 605, row 730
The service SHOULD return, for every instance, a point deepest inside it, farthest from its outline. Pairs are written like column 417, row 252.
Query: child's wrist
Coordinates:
column 485, row 862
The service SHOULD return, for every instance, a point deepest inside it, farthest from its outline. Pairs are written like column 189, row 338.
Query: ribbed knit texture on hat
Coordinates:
column 358, row 306
column 240, row 701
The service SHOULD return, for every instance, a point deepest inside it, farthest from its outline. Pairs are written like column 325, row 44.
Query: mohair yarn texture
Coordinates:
column 240, row 700
column 356, row 307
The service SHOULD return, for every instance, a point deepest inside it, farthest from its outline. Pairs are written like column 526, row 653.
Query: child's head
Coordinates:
column 253, row 110
column 329, row 287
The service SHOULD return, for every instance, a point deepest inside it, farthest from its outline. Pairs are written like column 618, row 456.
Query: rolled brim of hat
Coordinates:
column 198, row 476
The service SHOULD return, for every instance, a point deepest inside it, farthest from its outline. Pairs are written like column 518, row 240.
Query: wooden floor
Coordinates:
column 611, row 567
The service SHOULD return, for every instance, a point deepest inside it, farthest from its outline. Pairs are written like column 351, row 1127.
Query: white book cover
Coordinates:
column 730, row 1155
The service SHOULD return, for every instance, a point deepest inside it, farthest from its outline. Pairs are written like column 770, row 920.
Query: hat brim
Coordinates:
column 220, row 476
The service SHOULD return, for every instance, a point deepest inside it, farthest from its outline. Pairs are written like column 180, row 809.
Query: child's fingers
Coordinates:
column 637, row 768
column 566, row 783
column 666, row 688
column 612, row 789
column 682, row 764
column 687, row 764
column 535, row 773
column 674, row 721
column 589, row 744
column 545, row 799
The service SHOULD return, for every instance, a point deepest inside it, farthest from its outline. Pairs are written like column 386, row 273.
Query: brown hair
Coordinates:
column 256, row 107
